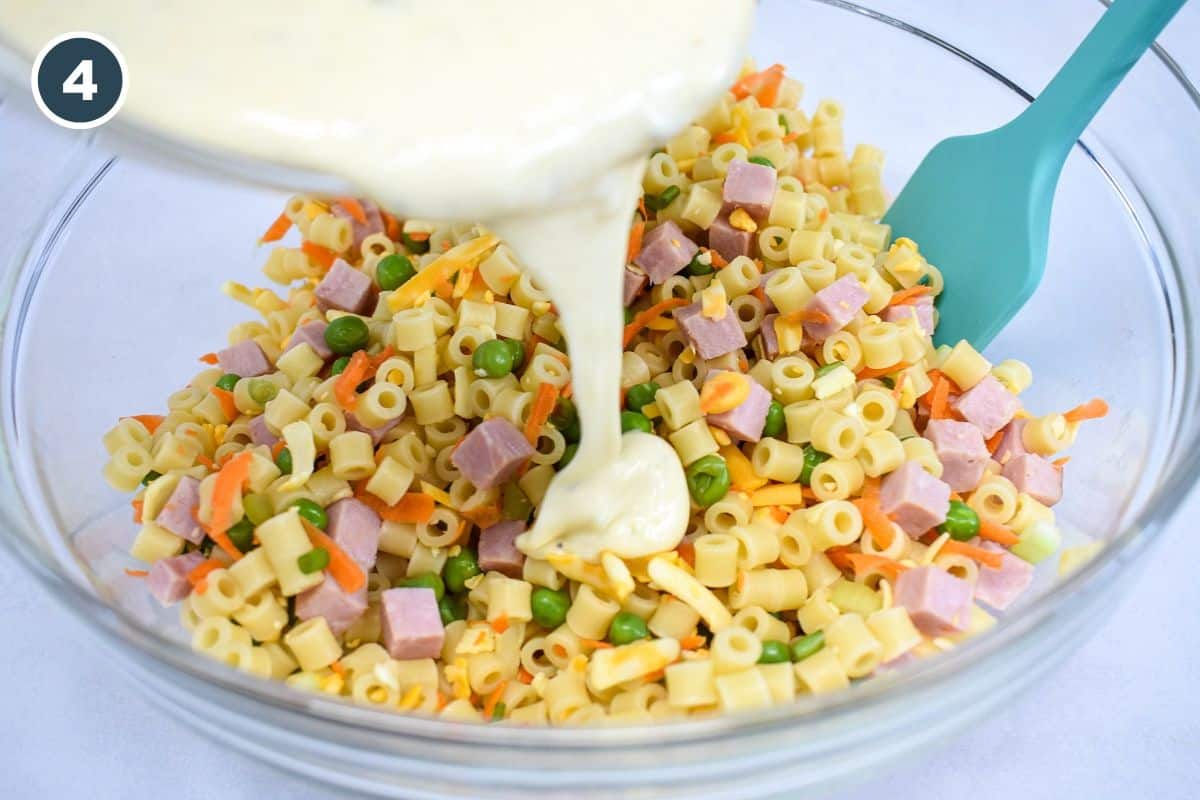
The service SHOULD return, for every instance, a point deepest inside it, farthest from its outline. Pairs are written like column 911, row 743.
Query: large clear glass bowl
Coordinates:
column 114, row 294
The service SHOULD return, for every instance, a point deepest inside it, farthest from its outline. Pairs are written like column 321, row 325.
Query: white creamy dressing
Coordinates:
column 532, row 116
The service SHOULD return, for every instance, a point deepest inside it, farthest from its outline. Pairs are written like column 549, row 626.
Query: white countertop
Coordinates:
column 1120, row 719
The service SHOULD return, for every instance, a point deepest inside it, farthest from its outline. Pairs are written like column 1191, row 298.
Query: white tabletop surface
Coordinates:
column 1121, row 719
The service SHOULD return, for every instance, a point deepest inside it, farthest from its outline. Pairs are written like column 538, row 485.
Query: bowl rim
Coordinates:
column 117, row 627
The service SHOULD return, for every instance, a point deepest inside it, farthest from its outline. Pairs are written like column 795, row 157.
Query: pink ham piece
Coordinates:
column 727, row 240
column 260, row 433
column 412, row 626
column 1036, row 477
column 745, row 421
column 962, row 451
column 938, row 603
column 914, row 499
column 179, row 514
column 498, row 550
column 376, row 434
column 987, row 405
column 168, row 581
column 998, row 588
column 492, row 453
column 360, row 230
column 635, row 283
column 922, row 309
column 770, row 339
column 750, row 187
column 1011, row 445
column 839, row 301
column 329, row 600
column 312, row 334
column 711, row 338
column 345, row 289
column 355, row 527
column 665, row 251
column 244, row 359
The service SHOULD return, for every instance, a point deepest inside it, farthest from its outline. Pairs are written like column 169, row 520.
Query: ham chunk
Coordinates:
column 1036, row 477
column 355, row 527
column 745, row 421
column 168, row 581
column 178, row 515
column 312, row 334
column 998, row 588
column 727, row 240
column 345, row 289
column 962, row 451
column 492, row 453
column 411, row 625
column 244, row 359
column 376, row 434
column 922, row 309
column 938, row 603
column 361, row 230
column 914, row 499
column 750, row 187
column 1012, row 444
column 635, row 284
column 260, row 433
column 329, row 600
column 665, row 251
column 770, row 339
column 498, row 549
column 987, row 405
column 711, row 338
column 839, row 301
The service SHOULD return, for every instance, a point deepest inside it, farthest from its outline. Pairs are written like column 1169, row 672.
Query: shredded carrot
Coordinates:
column 1059, row 463
column 642, row 207
column 136, row 573
column 987, row 557
column 779, row 514
column 791, row 137
column 414, row 507
column 354, row 209
column 999, row 534
column 226, row 488
column 807, row 315
column 861, row 563
column 524, row 676
column 595, row 644
column 225, row 397
column 641, row 319
column 344, row 569
column 206, row 462
column 909, row 296
column 281, row 225
column 878, row 372
column 210, row 358
column 876, row 521
column 718, row 261
column 939, row 401
column 1092, row 409
column 687, row 551
column 322, row 256
column 761, row 294
column 277, row 448
column 543, row 407
column 201, row 570
column 419, row 236
column 725, row 138
column 149, row 421
column 500, row 623
column 376, row 361
column 569, row 390
column 391, row 226
column 345, row 389
column 763, row 85
column 338, row 668
column 693, row 642
column 994, row 442
column 635, row 241
column 442, row 700
column 870, row 488
column 489, row 705
column 463, row 282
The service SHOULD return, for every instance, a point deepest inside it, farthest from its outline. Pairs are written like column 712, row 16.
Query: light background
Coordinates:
column 1121, row 718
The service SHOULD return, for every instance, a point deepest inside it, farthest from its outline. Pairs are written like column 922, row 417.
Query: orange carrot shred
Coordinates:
column 206, row 462
column 1092, row 409
column 718, row 261
column 595, row 644
column 791, row 137
column 338, row 668
column 281, row 225
column 635, row 241
column 226, row 488
column 999, row 534
column 277, row 448
column 878, row 372
column 807, row 315
column 524, row 676
column 693, row 642
column 210, row 358
column 987, row 557
column 413, row 508
column 322, row 256
column 642, row 207
column 994, row 442
column 201, row 570
column 724, row 138
column 136, row 573
column 391, row 226
column 687, row 551
column 861, row 563
column 442, row 700
column 419, row 236
column 354, row 209
column 149, row 421
column 1059, row 463
column 779, row 514
column 763, row 85
column 500, row 623
column 345, row 389
column 909, row 296
column 876, row 521
column 939, row 402
column 642, row 318
column 543, row 406
column 228, row 406
column 489, row 705
column 342, row 568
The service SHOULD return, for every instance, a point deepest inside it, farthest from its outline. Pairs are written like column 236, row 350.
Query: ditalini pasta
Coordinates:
column 336, row 497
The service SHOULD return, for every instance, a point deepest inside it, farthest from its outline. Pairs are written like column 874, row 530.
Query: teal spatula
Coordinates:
column 979, row 206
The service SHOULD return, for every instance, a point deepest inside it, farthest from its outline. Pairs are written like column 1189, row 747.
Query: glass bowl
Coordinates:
column 115, row 292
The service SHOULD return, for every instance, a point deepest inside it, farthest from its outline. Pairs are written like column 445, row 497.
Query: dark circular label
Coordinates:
column 79, row 80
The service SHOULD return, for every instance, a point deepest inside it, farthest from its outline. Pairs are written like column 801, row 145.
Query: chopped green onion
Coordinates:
column 828, row 368
column 314, row 560
column 766, row 162
column 806, row 646
column 499, row 711
column 783, row 123
column 150, row 477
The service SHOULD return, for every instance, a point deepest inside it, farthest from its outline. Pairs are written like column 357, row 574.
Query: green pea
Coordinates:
column 708, row 480
column 518, row 352
column 640, row 396
column 568, row 453
column 452, row 607
column 783, row 123
column 666, row 197
column 339, row 366
column 812, row 458
column 514, row 503
column 258, row 508
column 773, row 426
column 429, row 580
column 699, row 267
column 629, row 314
column 549, row 607
column 459, row 569
column 150, row 477
column 492, row 359
column 263, row 391
column 228, row 381
column 566, row 418
column 414, row 246
column 284, row 461
column 311, row 511
column 242, row 534
column 626, row 628
column 806, row 646
column 962, row 523
column 393, row 271
column 314, row 560
column 774, row 652
column 766, row 162
column 633, row 421
column 828, row 368
column 346, row 334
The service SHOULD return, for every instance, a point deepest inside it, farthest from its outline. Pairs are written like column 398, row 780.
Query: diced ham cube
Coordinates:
column 168, row 581
column 376, row 434
column 1000, row 587
column 178, row 515
column 962, row 451
column 770, row 339
column 260, row 433
column 727, row 240
column 312, row 334
column 750, row 187
column 329, row 600
column 361, row 230
column 355, row 527
column 938, row 603
column 987, row 405
column 345, row 289
column 244, row 359
column 665, row 252
column 711, row 338
column 498, row 549
column 1036, row 477
column 745, row 421
column 922, row 309
column 635, row 283
column 492, row 453
column 914, row 499
column 1012, row 444
column 412, row 627
column 839, row 301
